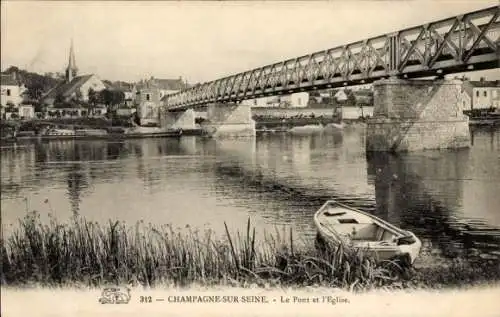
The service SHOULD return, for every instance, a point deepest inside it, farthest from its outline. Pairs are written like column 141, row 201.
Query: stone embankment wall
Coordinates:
column 292, row 112
column 282, row 112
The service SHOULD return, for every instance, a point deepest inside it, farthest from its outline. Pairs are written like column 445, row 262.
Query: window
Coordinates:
column 8, row 92
column 299, row 101
column 477, row 93
column 147, row 97
column 485, row 93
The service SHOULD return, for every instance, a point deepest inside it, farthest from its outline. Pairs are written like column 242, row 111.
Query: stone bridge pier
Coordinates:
column 413, row 115
column 174, row 120
column 229, row 120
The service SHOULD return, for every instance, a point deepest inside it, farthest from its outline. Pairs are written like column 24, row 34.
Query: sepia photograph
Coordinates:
column 250, row 158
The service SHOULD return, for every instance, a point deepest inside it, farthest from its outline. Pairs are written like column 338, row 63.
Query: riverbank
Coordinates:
column 83, row 129
column 81, row 253
column 284, row 124
column 478, row 301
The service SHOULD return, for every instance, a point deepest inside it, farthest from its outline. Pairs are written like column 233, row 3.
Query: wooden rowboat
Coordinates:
column 339, row 224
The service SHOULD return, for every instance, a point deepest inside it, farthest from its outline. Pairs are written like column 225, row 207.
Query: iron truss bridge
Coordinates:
column 461, row 43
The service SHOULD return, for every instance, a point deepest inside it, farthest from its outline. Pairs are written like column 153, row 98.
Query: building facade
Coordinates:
column 482, row 94
column 296, row 100
column 148, row 106
column 11, row 90
column 165, row 86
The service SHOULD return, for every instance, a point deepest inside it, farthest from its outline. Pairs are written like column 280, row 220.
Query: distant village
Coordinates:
column 26, row 96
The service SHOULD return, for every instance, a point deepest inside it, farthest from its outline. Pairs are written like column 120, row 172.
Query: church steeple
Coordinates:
column 71, row 70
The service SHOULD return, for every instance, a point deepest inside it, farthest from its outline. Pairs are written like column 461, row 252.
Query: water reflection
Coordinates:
column 425, row 192
column 449, row 198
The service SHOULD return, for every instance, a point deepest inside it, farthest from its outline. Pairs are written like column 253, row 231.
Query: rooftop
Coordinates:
column 9, row 80
column 66, row 89
column 469, row 85
column 485, row 83
column 164, row 84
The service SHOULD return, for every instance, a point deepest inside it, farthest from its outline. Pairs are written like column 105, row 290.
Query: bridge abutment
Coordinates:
column 412, row 115
column 229, row 120
column 177, row 119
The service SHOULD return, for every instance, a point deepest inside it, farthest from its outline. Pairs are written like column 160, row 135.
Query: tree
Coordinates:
column 351, row 99
column 39, row 107
column 93, row 100
column 106, row 97
column 78, row 95
column 35, row 90
column 59, row 101
column 111, row 97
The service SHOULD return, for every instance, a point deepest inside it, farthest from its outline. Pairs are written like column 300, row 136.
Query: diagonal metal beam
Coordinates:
column 481, row 36
column 413, row 47
column 443, row 43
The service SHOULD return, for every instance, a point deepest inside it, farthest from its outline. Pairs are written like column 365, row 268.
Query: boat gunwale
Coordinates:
column 386, row 225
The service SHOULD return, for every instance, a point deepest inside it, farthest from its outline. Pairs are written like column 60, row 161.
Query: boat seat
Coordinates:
column 366, row 232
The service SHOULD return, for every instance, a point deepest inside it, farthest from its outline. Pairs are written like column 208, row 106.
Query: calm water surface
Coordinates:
column 451, row 199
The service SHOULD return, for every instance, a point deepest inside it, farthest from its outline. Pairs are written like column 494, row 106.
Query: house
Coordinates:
column 321, row 97
column 170, row 86
column 74, row 87
column 356, row 103
column 299, row 100
column 164, row 86
column 482, row 94
column 11, row 90
column 296, row 100
column 26, row 111
column 256, row 103
column 126, row 88
column 340, row 95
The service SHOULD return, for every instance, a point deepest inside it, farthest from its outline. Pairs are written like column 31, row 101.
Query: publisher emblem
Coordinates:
column 115, row 295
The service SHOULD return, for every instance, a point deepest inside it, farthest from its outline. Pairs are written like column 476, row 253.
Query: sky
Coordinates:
column 198, row 41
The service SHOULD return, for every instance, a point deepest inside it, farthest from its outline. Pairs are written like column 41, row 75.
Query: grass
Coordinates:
column 85, row 253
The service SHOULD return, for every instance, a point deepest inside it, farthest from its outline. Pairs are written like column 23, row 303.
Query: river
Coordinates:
column 450, row 199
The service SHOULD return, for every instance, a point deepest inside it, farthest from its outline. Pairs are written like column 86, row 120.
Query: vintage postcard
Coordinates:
column 250, row 158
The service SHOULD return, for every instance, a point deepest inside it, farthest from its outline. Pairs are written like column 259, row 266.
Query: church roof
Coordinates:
column 67, row 89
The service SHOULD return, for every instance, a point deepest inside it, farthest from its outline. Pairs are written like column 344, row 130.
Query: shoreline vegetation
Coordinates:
column 81, row 253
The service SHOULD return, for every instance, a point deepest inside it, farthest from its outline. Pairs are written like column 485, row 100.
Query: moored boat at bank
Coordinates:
column 340, row 224
column 60, row 132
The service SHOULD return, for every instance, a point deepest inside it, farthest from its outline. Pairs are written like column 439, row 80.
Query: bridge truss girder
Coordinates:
column 461, row 43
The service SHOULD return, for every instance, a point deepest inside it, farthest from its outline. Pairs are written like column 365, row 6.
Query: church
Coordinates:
column 74, row 87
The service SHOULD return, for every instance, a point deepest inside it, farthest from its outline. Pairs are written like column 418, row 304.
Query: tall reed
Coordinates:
column 83, row 252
